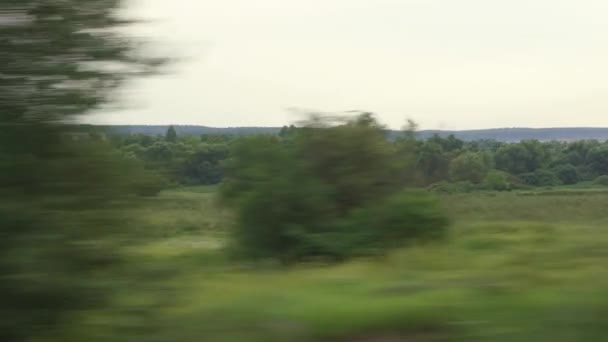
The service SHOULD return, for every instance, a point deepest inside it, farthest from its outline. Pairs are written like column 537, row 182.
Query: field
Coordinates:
column 518, row 266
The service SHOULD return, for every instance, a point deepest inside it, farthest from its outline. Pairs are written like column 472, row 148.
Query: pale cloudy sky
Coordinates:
column 450, row 64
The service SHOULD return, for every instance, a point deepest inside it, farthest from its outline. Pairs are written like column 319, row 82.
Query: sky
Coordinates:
column 446, row 64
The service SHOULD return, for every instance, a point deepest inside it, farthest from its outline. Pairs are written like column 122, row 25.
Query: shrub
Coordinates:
column 396, row 221
column 400, row 218
column 468, row 166
column 328, row 191
column 497, row 180
column 601, row 180
column 567, row 173
column 540, row 177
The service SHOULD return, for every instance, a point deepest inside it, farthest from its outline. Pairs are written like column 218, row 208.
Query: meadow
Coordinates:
column 516, row 266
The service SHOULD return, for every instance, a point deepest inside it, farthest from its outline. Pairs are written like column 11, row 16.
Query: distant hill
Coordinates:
column 517, row 134
column 500, row 134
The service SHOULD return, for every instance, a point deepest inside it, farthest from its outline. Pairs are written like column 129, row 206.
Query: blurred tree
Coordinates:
column 497, row 180
column 598, row 158
column 541, row 177
column 354, row 157
column 58, row 59
column 309, row 196
column 513, row 158
column 567, row 173
column 171, row 135
column 468, row 166
column 432, row 161
column 205, row 165
column 579, row 152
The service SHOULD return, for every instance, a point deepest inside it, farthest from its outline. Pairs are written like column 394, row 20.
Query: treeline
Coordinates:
column 440, row 163
column 513, row 134
column 186, row 160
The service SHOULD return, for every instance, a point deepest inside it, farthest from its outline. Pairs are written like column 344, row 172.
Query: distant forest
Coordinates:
column 498, row 134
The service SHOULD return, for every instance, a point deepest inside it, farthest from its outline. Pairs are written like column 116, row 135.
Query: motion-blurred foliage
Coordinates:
column 58, row 59
column 329, row 189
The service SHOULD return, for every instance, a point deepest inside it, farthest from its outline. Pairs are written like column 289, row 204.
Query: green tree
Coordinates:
column 497, row 180
column 53, row 61
column 598, row 157
column 171, row 135
column 567, row 173
column 468, row 166
column 205, row 165
column 320, row 193
column 541, row 177
column 432, row 161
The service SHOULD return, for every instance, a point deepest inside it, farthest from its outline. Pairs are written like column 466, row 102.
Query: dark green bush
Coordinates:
column 567, row 174
column 330, row 191
column 400, row 218
column 540, row 177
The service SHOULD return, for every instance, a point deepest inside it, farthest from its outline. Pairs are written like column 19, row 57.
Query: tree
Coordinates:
column 205, row 165
column 526, row 156
column 432, row 161
column 171, row 135
column 497, row 180
column 54, row 58
column 406, row 147
column 540, row 177
column 567, row 173
column 468, row 166
column 321, row 194
column 598, row 157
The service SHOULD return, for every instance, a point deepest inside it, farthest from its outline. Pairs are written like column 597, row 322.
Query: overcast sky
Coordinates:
column 444, row 63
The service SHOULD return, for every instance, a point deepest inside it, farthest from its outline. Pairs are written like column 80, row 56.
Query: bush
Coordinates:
column 540, row 177
column 497, row 180
column 397, row 220
column 567, row 174
column 468, row 166
column 330, row 191
column 601, row 180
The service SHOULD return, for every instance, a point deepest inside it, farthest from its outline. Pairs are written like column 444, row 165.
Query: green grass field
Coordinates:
column 519, row 266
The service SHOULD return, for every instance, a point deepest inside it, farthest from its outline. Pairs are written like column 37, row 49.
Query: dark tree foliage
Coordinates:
column 171, row 135
column 541, row 177
column 185, row 161
column 468, row 166
column 57, row 61
column 567, row 173
column 526, row 156
column 598, row 158
column 205, row 165
column 334, row 189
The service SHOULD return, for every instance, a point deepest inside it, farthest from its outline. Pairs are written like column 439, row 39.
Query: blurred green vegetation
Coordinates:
column 440, row 163
column 99, row 240
column 514, row 267
column 332, row 189
column 61, row 227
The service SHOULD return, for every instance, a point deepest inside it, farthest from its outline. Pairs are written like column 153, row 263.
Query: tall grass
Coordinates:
column 515, row 268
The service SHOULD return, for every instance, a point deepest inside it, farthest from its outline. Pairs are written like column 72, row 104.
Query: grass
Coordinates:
column 516, row 267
